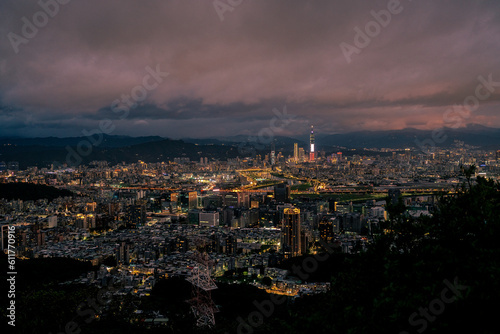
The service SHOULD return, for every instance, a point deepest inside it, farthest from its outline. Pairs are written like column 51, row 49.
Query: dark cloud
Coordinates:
column 227, row 76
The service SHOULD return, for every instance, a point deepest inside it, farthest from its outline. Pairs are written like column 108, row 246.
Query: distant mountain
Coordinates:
column 45, row 151
column 476, row 135
column 164, row 150
column 147, row 150
column 106, row 141
column 205, row 141
column 472, row 134
column 281, row 143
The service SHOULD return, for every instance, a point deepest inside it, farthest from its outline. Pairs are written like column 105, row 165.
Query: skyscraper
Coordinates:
column 394, row 195
column 302, row 154
column 296, row 152
column 290, row 232
column 5, row 233
column 193, row 199
column 209, row 219
column 273, row 153
column 231, row 244
column 231, row 200
column 135, row 215
column 311, row 142
column 122, row 253
column 282, row 193
column 498, row 155
column 326, row 230
column 243, row 199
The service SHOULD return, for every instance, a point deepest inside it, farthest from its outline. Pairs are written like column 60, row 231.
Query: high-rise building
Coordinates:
column 230, row 245
column 193, row 199
column 181, row 244
column 122, row 253
column 302, row 154
column 135, row 215
column 273, row 153
column 290, row 232
column 332, row 205
column 212, row 202
column 5, row 233
column 311, row 143
column 227, row 216
column 174, row 197
column 282, row 193
column 231, row 199
column 394, row 195
column 326, row 230
column 194, row 216
column 305, row 237
column 296, row 152
column 209, row 219
column 244, row 199
column 240, row 199
column 498, row 155
column 52, row 221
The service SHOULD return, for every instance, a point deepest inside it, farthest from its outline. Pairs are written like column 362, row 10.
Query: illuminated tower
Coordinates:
column 311, row 141
column 296, row 152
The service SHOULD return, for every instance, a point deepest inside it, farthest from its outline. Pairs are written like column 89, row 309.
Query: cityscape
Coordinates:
column 156, row 188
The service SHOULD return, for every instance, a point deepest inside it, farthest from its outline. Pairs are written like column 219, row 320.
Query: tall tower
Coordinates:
column 201, row 304
column 290, row 232
column 311, row 142
column 296, row 152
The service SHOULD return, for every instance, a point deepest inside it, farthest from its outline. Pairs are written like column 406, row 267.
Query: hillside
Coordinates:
column 30, row 191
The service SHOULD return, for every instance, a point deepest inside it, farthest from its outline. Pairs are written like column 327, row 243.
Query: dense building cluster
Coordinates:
column 249, row 214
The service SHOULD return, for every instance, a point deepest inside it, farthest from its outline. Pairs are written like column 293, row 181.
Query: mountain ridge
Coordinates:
column 46, row 151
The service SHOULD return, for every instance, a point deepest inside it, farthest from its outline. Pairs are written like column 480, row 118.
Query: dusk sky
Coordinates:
column 230, row 65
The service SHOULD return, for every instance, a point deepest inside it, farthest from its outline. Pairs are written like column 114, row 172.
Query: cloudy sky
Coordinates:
column 230, row 63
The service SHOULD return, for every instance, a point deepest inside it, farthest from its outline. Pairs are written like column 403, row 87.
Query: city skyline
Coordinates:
column 236, row 166
column 218, row 231
column 196, row 70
